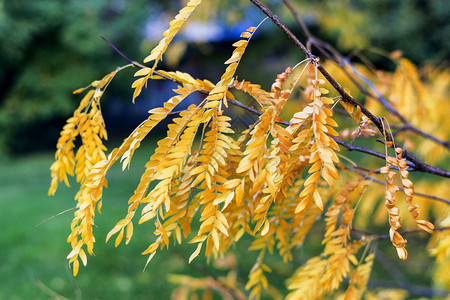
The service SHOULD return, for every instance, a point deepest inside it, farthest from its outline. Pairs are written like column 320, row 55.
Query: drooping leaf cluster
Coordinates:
column 271, row 181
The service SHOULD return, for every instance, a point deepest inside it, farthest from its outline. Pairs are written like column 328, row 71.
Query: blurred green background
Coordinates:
column 50, row 48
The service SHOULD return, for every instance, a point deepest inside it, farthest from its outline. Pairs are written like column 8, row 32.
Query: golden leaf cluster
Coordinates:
column 86, row 122
column 270, row 182
column 157, row 52
column 390, row 195
column 232, row 182
column 359, row 279
column 322, row 157
column 324, row 273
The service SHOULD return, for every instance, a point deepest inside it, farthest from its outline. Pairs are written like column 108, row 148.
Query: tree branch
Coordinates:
column 344, row 62
column 351, row 147
column 315, row 60
column 419, row 165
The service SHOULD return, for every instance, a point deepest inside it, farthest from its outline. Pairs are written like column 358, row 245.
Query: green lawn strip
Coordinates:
column 34, row 262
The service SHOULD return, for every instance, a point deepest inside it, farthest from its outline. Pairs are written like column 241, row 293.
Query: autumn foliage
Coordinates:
column 271, row 181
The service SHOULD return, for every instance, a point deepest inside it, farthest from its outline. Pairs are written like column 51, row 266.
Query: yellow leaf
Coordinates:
column 215, row 237
column 246, row 34
column 221, row 227
column 353, row 260
column 129, row 233
column 79, row 90
column 199, row 238
column 402, row 253
column 228, row 199
column 143, row 72
column 136, row 92
column 239, row 234
column 315, row 167
column 234, row 58
column 75, row 266
column 328, row 178
column 240, row 193
column 425, row 225
column 265, row 228
column 318, row 199
column 139, row 83
column 152, row 56
column 119, row 238
column 196, row 252
column 158, row 110
column 83, row 257
column 151, row 249
column 384, row 169
column 244, row 165
column 312, row 179
column 302, row 205
column 147, row 216
column 212, row 104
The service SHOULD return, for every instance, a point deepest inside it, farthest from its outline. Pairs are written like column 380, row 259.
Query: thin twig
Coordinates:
column 45, row 289
column 135, row 63
column 363, row 233
column 114, row 47
column 298, row 19
column 69, row 209
column 351, row 147
column 365, row 176
column 412, row 231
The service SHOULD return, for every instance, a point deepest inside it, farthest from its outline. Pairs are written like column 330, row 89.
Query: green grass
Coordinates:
column 34, row 264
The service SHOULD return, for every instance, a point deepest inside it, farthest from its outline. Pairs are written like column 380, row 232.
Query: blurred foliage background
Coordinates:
column 50, row 48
